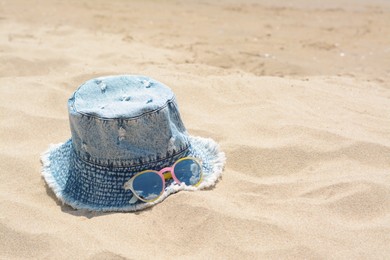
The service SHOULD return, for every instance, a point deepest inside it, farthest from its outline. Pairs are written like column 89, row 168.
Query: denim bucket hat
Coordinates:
column 120, row 126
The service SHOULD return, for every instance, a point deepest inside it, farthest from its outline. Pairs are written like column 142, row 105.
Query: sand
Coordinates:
column 295, row 92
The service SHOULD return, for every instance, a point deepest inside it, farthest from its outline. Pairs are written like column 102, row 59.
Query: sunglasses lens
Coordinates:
column 148, row 185
column 188, row 171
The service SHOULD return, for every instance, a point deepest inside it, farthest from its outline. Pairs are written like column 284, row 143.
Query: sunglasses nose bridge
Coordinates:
column 167, row 172
column 164, row 170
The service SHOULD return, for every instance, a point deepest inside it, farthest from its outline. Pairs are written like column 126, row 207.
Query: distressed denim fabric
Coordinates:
column 122, row 125
column 123, row 121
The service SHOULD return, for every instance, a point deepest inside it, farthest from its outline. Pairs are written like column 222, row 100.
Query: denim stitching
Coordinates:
column 123, row 163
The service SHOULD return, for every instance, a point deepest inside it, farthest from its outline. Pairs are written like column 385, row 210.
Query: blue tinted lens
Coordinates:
column 188, row 171
column 148, row 186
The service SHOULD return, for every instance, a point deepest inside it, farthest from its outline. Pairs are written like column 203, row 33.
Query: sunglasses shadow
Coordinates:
column 83, row 212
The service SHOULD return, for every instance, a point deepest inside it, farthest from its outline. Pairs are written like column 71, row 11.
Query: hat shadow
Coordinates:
column 84, row 212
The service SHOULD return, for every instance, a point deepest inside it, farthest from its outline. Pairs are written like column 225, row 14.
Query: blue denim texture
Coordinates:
column 127, row 123
column 121, row 125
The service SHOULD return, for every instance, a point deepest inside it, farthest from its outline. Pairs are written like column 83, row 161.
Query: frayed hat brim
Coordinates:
column 57, row 169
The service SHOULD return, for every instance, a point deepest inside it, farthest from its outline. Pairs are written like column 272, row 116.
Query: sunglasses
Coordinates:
column 149, row 185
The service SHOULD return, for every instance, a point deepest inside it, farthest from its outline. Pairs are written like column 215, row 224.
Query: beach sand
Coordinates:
column 296, row 93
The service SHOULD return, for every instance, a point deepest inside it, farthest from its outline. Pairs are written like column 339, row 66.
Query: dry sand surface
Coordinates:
column 297, row 94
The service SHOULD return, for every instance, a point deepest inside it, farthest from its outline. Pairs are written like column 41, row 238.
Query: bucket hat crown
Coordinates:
column 121, row 125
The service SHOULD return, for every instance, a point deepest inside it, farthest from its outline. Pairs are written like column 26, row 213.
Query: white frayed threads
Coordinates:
column 46, row 171
column 125, row 98
column 84, row 147
column 102, row 86
column 216, row 157
column 172, row 144
column 146, row 83
column 121, row 133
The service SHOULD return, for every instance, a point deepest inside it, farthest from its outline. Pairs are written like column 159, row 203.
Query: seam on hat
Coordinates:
column 169, row 101
column 130, row 165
